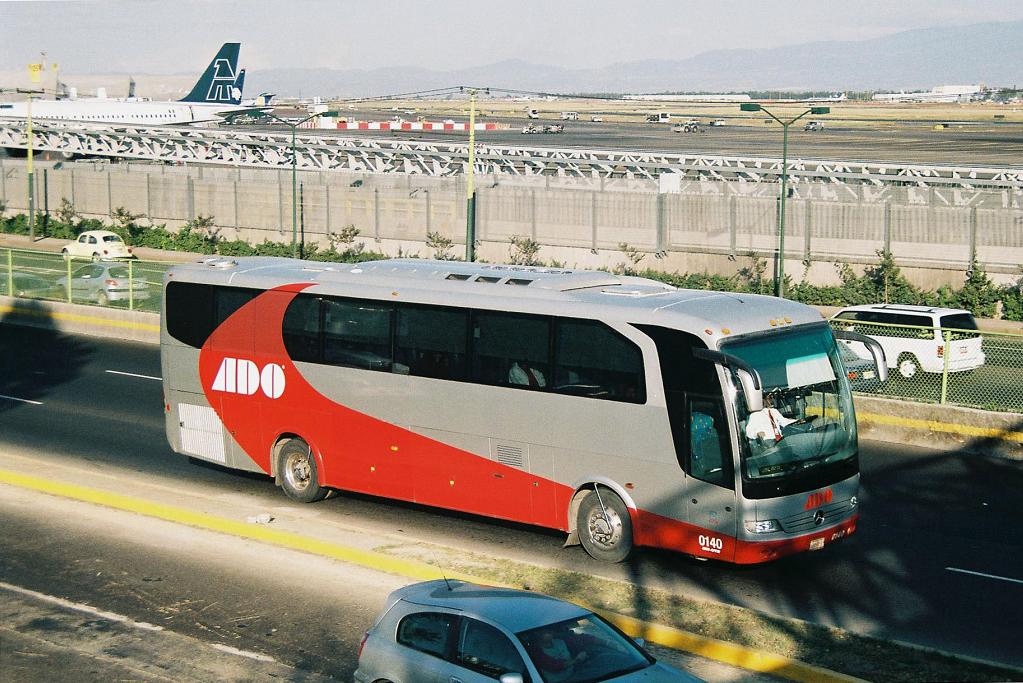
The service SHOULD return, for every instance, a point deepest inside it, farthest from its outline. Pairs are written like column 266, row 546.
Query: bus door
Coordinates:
column 710, row 478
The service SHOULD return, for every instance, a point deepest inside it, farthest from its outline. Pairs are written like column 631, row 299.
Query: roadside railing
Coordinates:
column 124, row 283
column 963, row 367
column 935, row 365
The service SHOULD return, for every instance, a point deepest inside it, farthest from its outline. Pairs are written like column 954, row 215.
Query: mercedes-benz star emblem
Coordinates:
column 818, row 518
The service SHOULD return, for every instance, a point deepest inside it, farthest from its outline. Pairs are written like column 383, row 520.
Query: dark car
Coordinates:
column 455, row 631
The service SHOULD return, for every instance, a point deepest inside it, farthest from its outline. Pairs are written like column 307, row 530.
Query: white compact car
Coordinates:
column 454, row 631
column 913, row 337
column 99, row 245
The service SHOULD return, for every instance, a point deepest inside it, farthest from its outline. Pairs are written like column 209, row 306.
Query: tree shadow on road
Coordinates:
column 35, row 356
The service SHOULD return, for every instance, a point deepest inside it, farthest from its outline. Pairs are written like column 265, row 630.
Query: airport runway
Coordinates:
column 986, row 144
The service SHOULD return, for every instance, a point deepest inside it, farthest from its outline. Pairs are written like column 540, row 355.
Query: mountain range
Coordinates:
column 988, row 53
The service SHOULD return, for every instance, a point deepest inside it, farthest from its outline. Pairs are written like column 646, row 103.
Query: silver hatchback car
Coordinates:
column 444, row 631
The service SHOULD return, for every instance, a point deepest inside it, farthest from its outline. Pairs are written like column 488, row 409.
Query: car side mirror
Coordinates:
column 641, row 642
column 511, row 678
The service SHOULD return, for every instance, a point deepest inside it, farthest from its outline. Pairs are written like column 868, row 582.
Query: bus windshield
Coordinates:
column 807, row 420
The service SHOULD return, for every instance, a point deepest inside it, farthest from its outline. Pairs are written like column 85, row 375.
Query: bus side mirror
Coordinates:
column 751, row 389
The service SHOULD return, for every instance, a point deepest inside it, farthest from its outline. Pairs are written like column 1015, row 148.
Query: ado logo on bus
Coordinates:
column 240, row 376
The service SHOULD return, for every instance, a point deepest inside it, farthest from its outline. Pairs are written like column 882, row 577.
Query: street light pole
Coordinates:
column 779, row 269
column 297, row 249
column 31, row 179
column 470, row 201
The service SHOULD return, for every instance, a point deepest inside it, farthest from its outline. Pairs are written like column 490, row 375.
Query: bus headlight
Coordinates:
column 764, row 527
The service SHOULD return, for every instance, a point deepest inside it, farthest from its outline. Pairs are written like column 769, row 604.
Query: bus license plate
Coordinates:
column 816, row 543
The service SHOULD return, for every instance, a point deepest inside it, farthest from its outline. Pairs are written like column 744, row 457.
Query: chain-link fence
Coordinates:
column 954, row 365
column 129, row 284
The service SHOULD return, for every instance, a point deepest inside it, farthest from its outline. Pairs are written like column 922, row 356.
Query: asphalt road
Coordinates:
column 935, row 560
column 903, row 142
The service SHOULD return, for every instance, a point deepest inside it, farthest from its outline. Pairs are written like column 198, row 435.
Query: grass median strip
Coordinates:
column 789, row 649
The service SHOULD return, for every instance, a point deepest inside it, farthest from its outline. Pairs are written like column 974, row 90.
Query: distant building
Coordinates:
column 942, row 93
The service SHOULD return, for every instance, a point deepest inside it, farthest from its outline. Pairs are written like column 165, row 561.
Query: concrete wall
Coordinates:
column 708, row 225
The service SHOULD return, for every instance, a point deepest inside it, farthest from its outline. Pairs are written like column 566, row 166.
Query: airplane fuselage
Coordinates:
column 115, row 111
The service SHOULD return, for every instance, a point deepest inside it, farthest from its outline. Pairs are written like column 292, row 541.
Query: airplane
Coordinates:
column 215, row 97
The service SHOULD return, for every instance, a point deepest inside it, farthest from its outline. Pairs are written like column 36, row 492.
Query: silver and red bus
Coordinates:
column 620, row 410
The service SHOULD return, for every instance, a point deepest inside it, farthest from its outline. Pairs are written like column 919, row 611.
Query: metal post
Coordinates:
column 732, row 221
column 660, row 230
column 68, row 263
column 779, row 285
column 294, row 193
column 807, row 228
column 593, row 221
column 376, row 214
column 10, row 272
column 131, row 287
column 429, row 212
column 944, row 371
column 470, row 201
column 46, row 200
column 301, row 204
column 149, row 194
column 887, row 227
column 973, row 236
column 31, row 184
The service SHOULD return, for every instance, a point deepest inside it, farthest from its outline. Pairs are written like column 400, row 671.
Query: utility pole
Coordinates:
column 470, row 202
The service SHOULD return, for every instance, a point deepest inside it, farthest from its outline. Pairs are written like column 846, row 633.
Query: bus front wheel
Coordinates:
column 296, row 469
column 604, row 526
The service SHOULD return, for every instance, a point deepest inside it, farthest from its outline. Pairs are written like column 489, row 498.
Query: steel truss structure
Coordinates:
column 330, row 152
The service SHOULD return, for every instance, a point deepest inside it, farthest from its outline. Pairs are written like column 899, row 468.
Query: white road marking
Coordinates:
column 132, row 374
column 78, row 607
column 986, row 576
column 23, row 400
column 258, row 656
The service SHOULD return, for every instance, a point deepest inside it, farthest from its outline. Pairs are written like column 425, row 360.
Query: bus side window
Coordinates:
column 709, row 456
column 357, row 334
column 502, row 341
column 301, row 329
column 431, row 341
column 595, row 361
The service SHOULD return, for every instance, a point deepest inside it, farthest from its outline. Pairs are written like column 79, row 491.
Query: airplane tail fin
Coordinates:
column 239, row 85
column 220, row 83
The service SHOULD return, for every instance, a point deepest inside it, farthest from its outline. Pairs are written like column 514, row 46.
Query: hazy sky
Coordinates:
column 180, row 36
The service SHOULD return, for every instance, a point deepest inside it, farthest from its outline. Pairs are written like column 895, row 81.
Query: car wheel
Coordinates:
column 95, row 256
column 101, row 298
column 66, row 254
column 296, row 469
column 604, row 526
column 908, row 366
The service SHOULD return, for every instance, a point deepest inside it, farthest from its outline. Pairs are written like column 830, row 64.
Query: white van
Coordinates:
column 569, row 116
column 913, row 337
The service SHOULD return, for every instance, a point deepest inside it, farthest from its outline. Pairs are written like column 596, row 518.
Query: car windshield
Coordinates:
column 582, row 650
column 807, row 419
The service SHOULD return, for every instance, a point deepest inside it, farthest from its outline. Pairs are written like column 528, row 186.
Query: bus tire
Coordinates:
column 296, row 469
column 604, row 531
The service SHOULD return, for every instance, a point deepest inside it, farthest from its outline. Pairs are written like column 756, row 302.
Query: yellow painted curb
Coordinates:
column 74, row 317
column 728, row 653
column 935, row 426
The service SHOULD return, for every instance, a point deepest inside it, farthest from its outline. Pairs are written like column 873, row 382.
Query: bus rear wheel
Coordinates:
column 604, row 526
column 296, row 469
